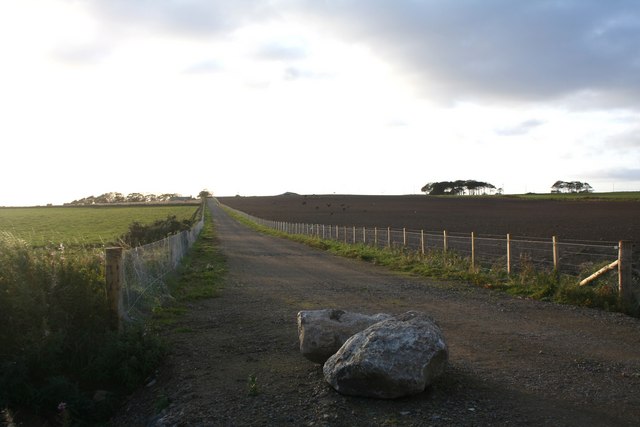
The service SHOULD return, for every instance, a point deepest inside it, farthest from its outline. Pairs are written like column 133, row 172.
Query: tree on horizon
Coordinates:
column 571, row 187
column 459, row 187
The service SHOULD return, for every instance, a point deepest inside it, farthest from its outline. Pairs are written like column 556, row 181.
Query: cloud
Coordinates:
column 629, row 139
column 282, row 50
column 81, row 54
column 500, row 49
column 522, row 128
column 189, row 17
column 622, row 174
column 205, row 67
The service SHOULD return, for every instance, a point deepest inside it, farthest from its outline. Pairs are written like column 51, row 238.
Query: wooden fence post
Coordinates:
column 114, row 274
column 473, row 251
column 508, row 253
column 389, row 237
column 422, row 241
column 444, row 240
column 375, row 236
column 354, row 234
column 625, row 276
column 404, row 237
column 555, row 253
column 364, row 235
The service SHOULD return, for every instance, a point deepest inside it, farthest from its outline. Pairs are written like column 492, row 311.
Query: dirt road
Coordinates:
column 512, row 361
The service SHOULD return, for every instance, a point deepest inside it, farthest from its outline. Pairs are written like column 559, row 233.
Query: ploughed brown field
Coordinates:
column 592, row 220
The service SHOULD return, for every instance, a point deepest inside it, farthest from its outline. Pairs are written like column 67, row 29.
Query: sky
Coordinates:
column 264, row 97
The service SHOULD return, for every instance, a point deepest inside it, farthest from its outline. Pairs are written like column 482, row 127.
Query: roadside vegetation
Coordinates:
column 58, row 358
column 200, row 276
column 60, row 363
column 526, row 282
column 142, row 234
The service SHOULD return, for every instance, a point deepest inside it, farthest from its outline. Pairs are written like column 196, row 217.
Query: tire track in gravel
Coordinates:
column 512, row 361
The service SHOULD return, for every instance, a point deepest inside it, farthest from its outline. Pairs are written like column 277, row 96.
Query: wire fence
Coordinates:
column 144, row 269
column 512, row 253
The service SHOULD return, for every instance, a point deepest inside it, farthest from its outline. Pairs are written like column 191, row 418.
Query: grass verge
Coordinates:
column 200, row 276
column 527, row 283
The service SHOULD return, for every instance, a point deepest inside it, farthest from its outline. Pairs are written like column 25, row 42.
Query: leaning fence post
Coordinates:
column 625, row 276
column 114, row 274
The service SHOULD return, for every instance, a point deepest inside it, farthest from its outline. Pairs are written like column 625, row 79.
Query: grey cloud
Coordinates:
column 501, row 49
column 621, row 174
column 191, row 17
column 519, row 129
column 584, row 53
column 282, row 50
column 629, row 139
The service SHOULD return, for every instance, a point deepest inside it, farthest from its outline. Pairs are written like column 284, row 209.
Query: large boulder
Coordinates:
column 322, row 332
column 393, row 358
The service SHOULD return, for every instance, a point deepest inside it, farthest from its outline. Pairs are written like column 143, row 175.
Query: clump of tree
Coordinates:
column 460, row 187
column 114, row 198
column 204, row 194
column 571, row 187
column 141, row 234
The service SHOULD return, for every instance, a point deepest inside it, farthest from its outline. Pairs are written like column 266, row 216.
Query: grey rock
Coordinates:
column 397, row 357
column 322, row 332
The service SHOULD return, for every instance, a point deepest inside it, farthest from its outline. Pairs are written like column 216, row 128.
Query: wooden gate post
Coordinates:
column 625, row 268
column 114, row 274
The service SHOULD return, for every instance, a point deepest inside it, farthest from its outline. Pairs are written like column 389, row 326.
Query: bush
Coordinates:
column 141, row 234
column 55, row 344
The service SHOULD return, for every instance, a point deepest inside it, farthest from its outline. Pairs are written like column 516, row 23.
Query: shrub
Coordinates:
column 141, row 234
column 55, row 344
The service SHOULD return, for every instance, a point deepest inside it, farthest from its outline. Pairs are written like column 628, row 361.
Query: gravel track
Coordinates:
column 512, row 361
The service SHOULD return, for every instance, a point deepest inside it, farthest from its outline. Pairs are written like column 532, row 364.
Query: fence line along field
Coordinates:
column 84, row 226
column 568, row 219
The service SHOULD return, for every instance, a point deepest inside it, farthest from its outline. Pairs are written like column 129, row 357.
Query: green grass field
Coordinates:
column 83, row 226
column 613, row 196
